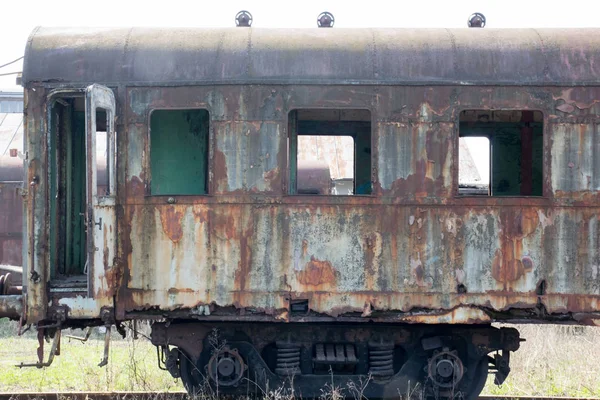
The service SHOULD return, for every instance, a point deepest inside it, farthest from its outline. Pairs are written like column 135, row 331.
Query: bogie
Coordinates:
column 440, row 362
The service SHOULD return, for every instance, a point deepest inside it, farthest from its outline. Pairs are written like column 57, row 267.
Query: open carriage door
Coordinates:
column 101, row 224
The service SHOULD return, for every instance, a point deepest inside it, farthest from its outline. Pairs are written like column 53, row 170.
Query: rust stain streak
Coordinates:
column 509, row 262
column 171, row 219
column 317, row 274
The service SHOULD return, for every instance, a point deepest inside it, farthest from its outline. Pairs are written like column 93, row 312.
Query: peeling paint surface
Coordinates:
column 323, row 254
column 413, row 251
column 246, row 157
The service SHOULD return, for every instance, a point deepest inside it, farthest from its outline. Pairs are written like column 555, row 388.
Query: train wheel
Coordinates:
column 447, row 377
column 191, row 376
column 476, row 380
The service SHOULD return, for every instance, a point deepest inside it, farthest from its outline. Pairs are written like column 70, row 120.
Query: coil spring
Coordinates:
column 4, row 284
column 381, row 360
column 288, row 359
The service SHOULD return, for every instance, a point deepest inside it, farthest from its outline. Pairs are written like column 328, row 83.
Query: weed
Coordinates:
column 554, row 361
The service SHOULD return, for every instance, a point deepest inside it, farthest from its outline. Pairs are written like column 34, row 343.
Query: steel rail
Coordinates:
column 130, row 395
column 94, row 395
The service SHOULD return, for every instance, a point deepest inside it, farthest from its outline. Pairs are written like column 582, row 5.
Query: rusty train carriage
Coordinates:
column 11, row 175
column 408, row 275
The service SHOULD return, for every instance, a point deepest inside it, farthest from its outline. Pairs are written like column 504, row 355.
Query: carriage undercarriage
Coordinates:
column 382, row 361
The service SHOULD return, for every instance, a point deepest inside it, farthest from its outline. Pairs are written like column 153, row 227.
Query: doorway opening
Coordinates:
column 68, row 191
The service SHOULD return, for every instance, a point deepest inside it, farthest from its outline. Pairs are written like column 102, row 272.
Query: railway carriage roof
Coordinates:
column 179, row 56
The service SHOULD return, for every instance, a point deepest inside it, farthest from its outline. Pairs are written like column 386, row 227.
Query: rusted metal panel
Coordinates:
column 36, row 264
column 412, row 252
column 246, row 157
column 415, row 160
column 228, row 103
column 344, row 260
column 147, row 56
column 576, row 158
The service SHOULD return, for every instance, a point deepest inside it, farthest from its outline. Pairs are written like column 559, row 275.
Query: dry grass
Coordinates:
column 555, row 361
column 132, row 365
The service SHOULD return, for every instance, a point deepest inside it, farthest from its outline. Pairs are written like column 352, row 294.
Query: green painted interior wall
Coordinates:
column 54, row 125
column 179, row 152
column 75, row 242
column 67, row 190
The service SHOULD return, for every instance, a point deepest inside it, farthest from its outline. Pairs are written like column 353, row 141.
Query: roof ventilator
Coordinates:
column 243, row 19
column 325, row 20
column 476, row 20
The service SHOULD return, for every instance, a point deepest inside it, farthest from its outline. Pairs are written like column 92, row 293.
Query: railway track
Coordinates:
column 183, row 395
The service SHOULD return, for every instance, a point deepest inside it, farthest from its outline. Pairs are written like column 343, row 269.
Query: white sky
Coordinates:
column 19, row 18
column 479, row 148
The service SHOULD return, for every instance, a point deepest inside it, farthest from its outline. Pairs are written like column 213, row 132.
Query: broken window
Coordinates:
column 102, row 154
column 330, row 152
column 179, row 152
column 500, row 153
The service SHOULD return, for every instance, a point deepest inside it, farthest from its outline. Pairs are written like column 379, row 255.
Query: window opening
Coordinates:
column 325, row 165
column 179, row 152
column 474, row 165
column 330, row 152
column 102, row 154
column 500, row 153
